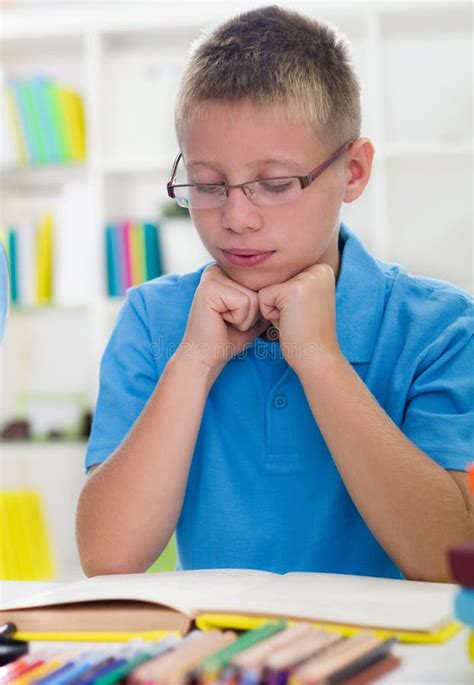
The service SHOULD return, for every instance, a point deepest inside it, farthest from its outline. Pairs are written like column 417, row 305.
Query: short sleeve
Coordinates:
column 439, row 416
column 128, row 376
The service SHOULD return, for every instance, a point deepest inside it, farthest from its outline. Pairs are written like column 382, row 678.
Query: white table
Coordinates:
column 445, row 664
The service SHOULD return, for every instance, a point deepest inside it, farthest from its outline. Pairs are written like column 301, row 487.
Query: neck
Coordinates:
column 332, row 256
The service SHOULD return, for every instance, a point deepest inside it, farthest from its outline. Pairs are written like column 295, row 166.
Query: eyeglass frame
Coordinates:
column 305, row 181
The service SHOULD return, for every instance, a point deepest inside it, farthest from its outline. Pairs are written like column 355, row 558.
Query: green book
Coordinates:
column 154, row 266
column 40, row 152
column 37, row 149
column 59, row 125
column 40, row 85
column 140, row 253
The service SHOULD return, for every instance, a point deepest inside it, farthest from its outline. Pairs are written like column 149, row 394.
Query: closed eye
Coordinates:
column 275, row 187
column 209, row 187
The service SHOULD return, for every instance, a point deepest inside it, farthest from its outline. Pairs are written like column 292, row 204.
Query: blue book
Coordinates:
column 464, row 606
column 154, row 266
column 12, row 251
column 111, row 257
column 40, row 85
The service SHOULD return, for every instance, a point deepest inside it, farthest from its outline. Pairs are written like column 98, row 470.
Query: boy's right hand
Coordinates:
column 224, row 319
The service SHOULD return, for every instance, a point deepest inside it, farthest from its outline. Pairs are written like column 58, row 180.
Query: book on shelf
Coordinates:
column 29, row 251
column 44, row 259
column 133, row 254
column 173, row 600
column 46, row 266
column 13, row 150
column 43, row 122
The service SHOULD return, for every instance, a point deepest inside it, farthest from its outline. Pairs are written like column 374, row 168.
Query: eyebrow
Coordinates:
column 258, row 162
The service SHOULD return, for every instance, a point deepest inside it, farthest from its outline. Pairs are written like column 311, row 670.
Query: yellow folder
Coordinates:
column 240, row 622
column 87, row 636
column 25, row 550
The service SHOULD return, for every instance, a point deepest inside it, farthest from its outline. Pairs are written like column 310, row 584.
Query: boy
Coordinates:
column 296, row 404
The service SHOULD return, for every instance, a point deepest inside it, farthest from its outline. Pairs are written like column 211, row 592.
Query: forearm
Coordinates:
column 411, row 504
column 129, row 506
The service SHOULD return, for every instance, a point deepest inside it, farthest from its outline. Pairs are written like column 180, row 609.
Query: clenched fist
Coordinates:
column 304, row 310
column 224, row 319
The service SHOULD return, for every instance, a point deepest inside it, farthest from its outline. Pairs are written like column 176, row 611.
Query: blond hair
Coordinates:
column 276, row 56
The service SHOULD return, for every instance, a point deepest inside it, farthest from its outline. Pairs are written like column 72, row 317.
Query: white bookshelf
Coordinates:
column 414, row 63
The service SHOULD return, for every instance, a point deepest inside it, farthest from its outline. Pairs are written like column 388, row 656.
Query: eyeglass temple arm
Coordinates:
column 313, row 175
column 169, row 185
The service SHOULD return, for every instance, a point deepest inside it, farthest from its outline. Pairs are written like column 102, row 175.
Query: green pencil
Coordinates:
column 215, row 663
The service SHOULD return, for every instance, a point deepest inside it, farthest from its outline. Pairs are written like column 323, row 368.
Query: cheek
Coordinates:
column 206, row 223
column 296, row 227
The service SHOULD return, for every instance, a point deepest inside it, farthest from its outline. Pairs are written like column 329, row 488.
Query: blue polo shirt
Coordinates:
column 263, row 491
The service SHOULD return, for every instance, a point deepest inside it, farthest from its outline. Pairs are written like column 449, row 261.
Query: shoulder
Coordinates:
column 431, row 316
column 380, row 305
column 425, row 298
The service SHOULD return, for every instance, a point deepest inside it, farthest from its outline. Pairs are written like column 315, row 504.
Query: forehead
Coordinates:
column 243, row 134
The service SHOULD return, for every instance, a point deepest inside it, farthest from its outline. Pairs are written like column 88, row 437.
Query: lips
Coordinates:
column 247, row 257
column 246, row 253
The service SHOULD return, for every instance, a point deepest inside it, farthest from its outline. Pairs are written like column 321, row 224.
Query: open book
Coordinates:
column 147, row 601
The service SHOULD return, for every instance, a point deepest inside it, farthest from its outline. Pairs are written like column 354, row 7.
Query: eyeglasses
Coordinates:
column 277, row 190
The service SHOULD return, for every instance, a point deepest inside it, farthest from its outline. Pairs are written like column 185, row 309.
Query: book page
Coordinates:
column 347, row 600
column 12, row 590
column 180, row 590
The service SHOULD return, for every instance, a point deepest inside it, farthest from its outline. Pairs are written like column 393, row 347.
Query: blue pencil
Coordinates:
column 101, row 672
column 77, row 668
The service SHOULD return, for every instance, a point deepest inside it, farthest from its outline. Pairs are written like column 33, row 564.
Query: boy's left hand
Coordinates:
column 304, row 310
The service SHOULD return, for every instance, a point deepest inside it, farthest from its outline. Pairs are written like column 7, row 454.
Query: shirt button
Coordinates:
column 280, row 401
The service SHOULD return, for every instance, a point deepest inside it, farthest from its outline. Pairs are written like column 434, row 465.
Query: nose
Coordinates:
column 238, row 213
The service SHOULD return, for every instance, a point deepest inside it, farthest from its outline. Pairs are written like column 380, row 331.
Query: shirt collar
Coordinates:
column 360, row 297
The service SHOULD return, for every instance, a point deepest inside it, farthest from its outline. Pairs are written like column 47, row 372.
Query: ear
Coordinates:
column 358, row 166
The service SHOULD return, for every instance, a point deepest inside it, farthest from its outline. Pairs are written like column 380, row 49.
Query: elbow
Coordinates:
column 429, row 570
column 428, row 576
column 101, row 567
column 95, row 562
column 100, row 559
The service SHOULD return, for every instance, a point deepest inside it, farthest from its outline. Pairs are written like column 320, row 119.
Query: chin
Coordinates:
column 253, row 279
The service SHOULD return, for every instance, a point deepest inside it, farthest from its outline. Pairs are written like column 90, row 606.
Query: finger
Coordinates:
column 244, row 316
column 268, row 309
column 219, row 276
column 234, row 306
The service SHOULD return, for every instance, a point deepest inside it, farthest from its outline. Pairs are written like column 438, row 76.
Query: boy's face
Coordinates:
column 233, row 144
